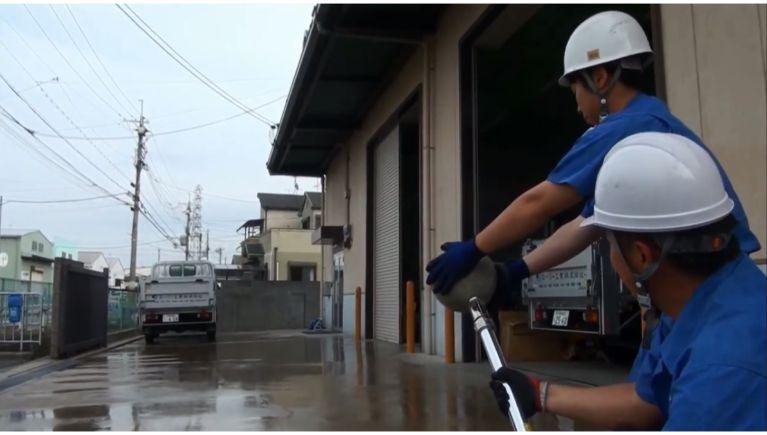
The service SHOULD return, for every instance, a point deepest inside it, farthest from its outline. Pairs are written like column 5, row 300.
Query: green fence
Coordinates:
column 122, row 310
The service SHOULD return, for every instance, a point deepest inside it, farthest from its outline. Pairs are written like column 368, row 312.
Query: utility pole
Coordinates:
column 188, row 215
column 220, row 254
column 207, row 244
column 140, row 152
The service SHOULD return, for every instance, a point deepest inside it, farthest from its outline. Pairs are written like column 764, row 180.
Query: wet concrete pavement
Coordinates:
column 280, row 380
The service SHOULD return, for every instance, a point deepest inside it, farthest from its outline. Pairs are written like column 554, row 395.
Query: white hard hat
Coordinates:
column 658, row 182
column 602, row 38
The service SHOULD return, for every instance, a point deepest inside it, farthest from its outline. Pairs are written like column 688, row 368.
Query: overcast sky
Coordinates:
column 251, row 51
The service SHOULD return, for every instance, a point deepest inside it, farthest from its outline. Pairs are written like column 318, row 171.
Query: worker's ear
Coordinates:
column 644, row 252
column 600, row 76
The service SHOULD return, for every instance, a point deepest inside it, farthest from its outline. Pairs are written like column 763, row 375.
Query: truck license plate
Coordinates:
column 560, row 318
column 169, row 318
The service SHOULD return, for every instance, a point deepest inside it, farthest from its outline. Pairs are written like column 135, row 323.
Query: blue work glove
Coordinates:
column 457, row 260
column 508, row 290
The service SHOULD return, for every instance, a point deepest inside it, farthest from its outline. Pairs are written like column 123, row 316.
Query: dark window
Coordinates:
column 317, row 221
column 189, row 270
column 175, row 270
column 34, row 245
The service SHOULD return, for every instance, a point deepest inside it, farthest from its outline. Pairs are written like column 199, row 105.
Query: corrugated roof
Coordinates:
column 280, row 201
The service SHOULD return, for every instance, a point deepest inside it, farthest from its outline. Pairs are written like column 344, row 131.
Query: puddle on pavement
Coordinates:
column 260, row 382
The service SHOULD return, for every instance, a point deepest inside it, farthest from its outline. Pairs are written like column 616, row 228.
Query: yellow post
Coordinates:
column 358, row 314
column 410, row 316
column 449, row 336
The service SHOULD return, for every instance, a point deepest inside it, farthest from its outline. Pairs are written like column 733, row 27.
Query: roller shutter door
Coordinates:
column 386, row 239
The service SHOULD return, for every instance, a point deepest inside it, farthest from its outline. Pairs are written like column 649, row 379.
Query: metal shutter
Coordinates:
column 386, row 239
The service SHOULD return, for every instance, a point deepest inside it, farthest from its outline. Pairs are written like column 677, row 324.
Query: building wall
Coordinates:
column 445, row 130
column 293, row 245
column 281, row 219
column 10, row 246
column 716, row 81
column 99, row 265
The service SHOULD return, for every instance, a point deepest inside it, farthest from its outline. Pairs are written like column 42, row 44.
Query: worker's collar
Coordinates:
column 633, row 104
column 694, row 315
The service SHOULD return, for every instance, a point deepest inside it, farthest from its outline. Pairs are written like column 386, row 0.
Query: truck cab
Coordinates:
column 179, row 296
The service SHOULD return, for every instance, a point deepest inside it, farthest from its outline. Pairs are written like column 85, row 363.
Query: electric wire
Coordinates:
column 98, row 58
column 189, row 67
column 66, row 60
column 163, row 133
column 32, row 108
column 87, row 62
column 61, row 201
column 89, row 181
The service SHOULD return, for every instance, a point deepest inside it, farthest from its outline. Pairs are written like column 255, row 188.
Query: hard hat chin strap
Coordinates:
column 604, row 110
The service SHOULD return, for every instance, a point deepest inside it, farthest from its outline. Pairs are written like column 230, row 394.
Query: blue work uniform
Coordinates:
column 580, row 166
column 707, row 370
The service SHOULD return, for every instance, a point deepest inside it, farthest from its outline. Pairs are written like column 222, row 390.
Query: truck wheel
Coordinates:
column 149, row 338
column 211, row 335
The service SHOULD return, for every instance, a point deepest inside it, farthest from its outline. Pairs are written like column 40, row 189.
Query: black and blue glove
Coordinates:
column 508, row 291
column 526, row 391
column 457, row 260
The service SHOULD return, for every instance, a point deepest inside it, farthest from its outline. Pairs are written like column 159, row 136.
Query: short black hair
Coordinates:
column 700, row 263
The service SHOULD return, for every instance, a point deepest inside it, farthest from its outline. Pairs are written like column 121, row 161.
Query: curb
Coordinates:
column 42, row 366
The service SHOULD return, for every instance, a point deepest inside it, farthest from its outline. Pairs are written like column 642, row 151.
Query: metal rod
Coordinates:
column 484, row 327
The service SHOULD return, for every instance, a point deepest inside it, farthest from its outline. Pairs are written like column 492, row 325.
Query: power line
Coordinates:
column 87, row 62
column 63, row 113
column 163, row 133
column 31, row 133
column 56, row 131
column 59, row 201
column 66, row 60
column 190, row 67
column 23, row 141
column 98, row 58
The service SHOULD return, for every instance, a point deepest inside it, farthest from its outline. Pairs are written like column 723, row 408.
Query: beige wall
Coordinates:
column 293, row 245
column 445, row 127
column 282, row 219
column 716, row 81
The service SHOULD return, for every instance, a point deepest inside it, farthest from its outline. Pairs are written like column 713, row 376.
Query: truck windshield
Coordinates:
column 181, row 270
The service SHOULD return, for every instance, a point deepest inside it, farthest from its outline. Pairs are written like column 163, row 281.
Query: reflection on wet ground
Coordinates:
column 279, row 380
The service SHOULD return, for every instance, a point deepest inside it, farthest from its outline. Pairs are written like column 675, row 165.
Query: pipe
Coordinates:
column 449, row 336
column 357, row 314
column 428, row 315
column 410, row 316
column 483, row 325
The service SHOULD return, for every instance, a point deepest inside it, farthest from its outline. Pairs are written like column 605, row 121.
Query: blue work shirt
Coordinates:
column 580, row 166
column 708, row 369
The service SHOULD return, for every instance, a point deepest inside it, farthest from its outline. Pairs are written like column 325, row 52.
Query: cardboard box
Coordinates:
column 519, row 343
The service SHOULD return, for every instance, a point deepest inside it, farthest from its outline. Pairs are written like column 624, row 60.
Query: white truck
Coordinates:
column 179, row 296
column 582, row 295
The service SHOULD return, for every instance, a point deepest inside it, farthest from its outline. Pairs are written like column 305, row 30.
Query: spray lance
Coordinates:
column 470, row 294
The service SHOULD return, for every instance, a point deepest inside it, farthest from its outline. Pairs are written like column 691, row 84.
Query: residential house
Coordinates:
column 116, row 272
column 288, row 252
column 425, row 121
column 25, row 255
column 93, row 260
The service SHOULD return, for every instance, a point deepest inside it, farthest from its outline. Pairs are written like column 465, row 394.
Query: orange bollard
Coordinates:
column 358, row 314
column 410, row 316
column 449, row 336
